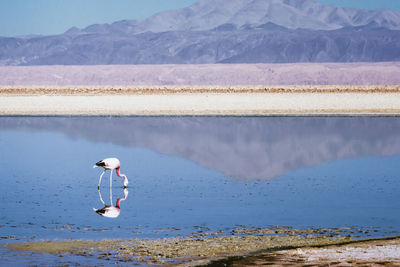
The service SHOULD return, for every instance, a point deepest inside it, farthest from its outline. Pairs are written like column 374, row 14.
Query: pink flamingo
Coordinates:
column 111, row 211
column 111, row 164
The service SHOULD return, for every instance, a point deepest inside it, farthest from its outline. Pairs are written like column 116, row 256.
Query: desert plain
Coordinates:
column 242, row 89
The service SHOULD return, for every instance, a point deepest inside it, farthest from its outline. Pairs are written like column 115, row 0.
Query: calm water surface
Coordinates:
column 197, row 174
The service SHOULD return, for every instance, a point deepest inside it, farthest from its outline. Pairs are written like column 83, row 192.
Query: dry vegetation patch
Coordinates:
column 146, row 90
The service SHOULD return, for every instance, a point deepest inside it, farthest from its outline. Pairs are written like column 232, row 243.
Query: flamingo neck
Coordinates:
column 118, row 173
column 118, row 202
column 117, row 205
column 123, row 176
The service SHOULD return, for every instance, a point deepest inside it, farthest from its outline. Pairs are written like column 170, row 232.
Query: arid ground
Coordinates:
column 233, row 89
column 199, row 100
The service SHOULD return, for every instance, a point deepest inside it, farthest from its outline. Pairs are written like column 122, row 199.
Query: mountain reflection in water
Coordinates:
column 241, row 147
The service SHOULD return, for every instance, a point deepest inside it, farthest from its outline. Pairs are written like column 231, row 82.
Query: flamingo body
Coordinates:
column 111, row 164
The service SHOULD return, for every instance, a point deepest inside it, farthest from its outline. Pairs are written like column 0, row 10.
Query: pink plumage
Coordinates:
column 111, row 164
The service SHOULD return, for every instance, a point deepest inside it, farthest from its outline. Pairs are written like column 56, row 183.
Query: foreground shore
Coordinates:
column 200, row 100
column 278, row 246
column 379, row 252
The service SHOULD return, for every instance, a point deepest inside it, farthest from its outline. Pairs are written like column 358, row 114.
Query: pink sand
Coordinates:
column 233, row 74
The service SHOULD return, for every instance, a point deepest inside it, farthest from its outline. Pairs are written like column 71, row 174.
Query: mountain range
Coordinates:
column 220, row 31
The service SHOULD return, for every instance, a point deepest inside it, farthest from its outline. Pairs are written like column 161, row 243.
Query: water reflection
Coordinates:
column 243, row 148
column 111, row 211
column 177, row 195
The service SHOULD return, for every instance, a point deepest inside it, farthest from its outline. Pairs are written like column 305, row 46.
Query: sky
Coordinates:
column 24, row 17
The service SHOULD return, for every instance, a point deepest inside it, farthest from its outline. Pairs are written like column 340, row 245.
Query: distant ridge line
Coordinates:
column 222, row 32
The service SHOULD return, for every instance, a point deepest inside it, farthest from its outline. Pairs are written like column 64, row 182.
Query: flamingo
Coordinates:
column 111, row 211
column 111, row 164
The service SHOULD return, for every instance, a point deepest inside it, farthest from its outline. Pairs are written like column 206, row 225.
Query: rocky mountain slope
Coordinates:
column 219, row 31
column 207, row 15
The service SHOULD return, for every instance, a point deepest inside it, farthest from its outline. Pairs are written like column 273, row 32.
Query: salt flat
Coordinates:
column 237, row 89
column 208, row 101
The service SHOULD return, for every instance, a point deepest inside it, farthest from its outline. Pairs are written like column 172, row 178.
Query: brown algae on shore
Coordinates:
column 204, row 246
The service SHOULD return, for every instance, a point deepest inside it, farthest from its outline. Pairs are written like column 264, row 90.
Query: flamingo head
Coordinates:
column 101, row 163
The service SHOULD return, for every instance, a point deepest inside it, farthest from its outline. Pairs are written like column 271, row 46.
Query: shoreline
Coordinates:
column 294, row 246
column 200, row 100
column 377, row 251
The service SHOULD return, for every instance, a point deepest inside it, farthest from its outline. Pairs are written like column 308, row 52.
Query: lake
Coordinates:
column 191, row 174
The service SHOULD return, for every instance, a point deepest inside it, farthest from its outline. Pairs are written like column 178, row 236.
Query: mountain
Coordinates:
column 207, row 15
column 219, row 31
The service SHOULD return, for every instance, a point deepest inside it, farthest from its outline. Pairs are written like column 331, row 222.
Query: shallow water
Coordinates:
column 197, row 174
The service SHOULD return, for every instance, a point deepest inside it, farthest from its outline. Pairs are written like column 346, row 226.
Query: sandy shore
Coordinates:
column 200, row 100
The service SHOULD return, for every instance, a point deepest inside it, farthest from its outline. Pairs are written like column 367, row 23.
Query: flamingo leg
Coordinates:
column 101, row 176
column 101, row 199
column 111, row 188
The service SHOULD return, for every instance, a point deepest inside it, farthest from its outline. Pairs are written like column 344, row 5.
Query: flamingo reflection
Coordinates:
column 111, row 211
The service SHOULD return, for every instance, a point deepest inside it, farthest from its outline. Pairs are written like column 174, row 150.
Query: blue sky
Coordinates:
column 22, row 17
